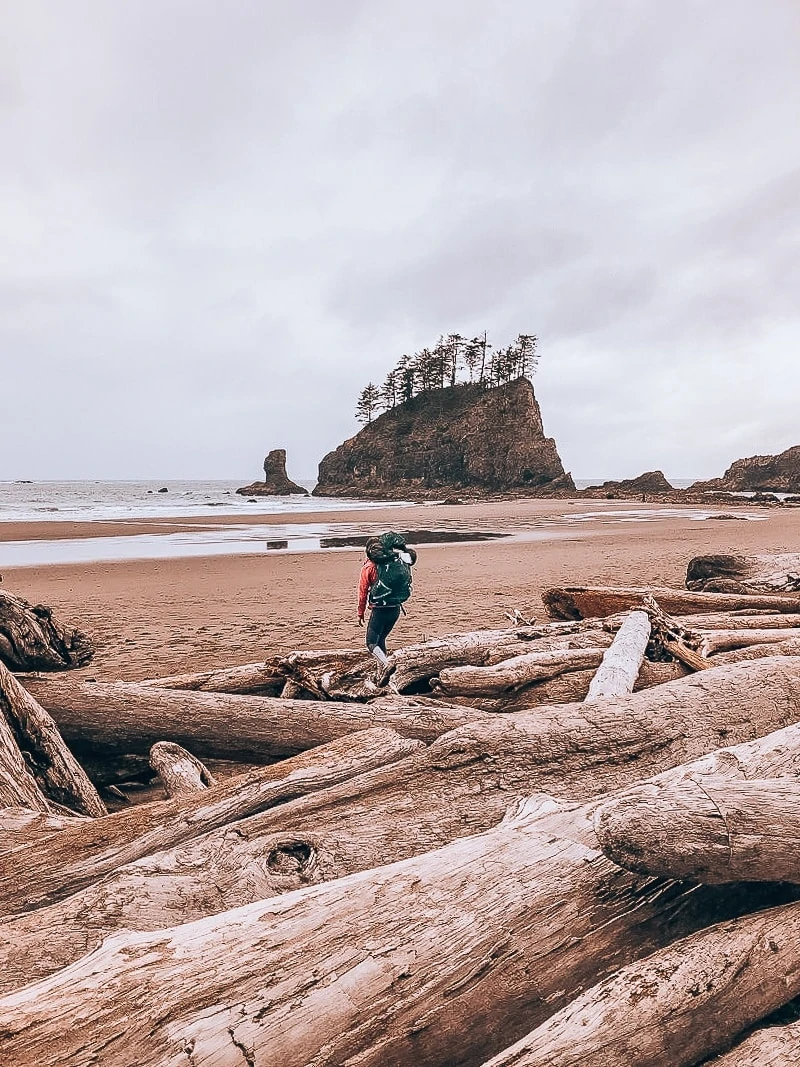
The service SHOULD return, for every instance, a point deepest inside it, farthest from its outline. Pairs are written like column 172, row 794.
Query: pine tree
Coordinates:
column 528, row 356
column 368, row 403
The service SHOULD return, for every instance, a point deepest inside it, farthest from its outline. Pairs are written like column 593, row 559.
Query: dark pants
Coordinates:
column 381, row 621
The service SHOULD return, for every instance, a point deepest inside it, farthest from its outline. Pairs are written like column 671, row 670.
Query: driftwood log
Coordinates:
column 677, row 1006
column 32, row 640
column 771, row 1046
column 128, row 718
column 753, row 652
column 759, row 620
column 622, row 661
column 728, row 640
column 708, row 829
column 572, row 687
column 179, row 770
column 515, row 673
column 254, row 679
column 426, row 961
column 587, row 602
column 739, row 574
column 45, row 868
column 59, row 775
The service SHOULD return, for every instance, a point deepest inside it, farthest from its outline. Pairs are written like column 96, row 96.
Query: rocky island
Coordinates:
column 759, row 474
column 461, row 437
column 276, row 481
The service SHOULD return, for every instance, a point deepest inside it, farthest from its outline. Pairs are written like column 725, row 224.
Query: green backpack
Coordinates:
column 393, row 586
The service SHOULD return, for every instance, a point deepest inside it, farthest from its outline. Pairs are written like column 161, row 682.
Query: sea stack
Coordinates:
column 276, row 481
column 759, row 474
column 457, row 438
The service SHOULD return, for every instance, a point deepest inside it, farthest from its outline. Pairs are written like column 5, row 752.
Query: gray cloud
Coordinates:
column 220, row 222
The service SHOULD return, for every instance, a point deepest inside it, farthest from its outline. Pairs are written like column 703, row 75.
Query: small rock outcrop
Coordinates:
column 457, row 438
column 653, row 482
column 759, row 474
column 276, row 481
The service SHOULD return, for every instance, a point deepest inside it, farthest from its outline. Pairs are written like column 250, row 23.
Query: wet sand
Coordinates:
column 160, row 616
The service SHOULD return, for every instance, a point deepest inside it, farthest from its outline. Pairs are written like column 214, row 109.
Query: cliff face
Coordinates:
column 776, row 474
column 457, row 438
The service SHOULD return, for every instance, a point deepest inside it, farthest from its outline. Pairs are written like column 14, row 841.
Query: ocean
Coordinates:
column 94, row 501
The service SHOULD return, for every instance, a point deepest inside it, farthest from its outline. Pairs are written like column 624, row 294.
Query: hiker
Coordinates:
column 384, row 584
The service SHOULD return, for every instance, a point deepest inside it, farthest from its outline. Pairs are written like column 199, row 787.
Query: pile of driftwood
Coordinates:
column 575, row 842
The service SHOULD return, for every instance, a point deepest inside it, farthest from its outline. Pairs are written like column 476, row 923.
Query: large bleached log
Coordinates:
column 708, row 829
column 60, row 775
column 728, row 640
column 677, row 1006
column 179, row 770
column 435, row 960
column 622, row 661
column 586, row 602
column 514, row 673
column 32, row 640
column 125, row 718
column 42, row 870
column 770, row 1046
column 775, row 573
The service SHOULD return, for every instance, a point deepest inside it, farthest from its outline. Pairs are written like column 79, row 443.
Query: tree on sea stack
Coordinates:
column 369, row 401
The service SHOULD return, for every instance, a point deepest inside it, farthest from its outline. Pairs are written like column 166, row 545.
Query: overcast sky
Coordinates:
column 220, row 220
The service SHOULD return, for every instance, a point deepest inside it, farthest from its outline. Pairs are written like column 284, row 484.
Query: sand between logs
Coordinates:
column 156, row 617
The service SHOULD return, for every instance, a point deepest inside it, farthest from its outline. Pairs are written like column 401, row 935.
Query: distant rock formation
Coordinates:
column 461, row 437
column 652, row 482
column 759, row 474
column 276, row 481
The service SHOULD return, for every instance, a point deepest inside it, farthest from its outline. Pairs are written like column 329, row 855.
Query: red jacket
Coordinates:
column 366, row 580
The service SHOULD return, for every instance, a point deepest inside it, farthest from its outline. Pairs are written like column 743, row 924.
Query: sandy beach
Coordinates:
column 159, row 616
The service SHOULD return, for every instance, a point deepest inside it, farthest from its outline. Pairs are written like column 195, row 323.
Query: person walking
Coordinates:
column 384, row 585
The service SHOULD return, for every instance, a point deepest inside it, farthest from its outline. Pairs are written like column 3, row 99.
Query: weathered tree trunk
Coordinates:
column 179, row 770
column 585, row 602
column 622, row 661
column 569, row 688
column 18, row 787
column 754, row 652
column 708, row 829
column 60, row 775
column 728, row 640
column 677, row 1006
column 254, row 679
column 776, row 573
column 418, row 663
column 729, row 620
column 19, row 826
column 514, row 673
column 42, row 870
column 126, row 718
column 435, row 960
column 772, row 1046
column 32, row 640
